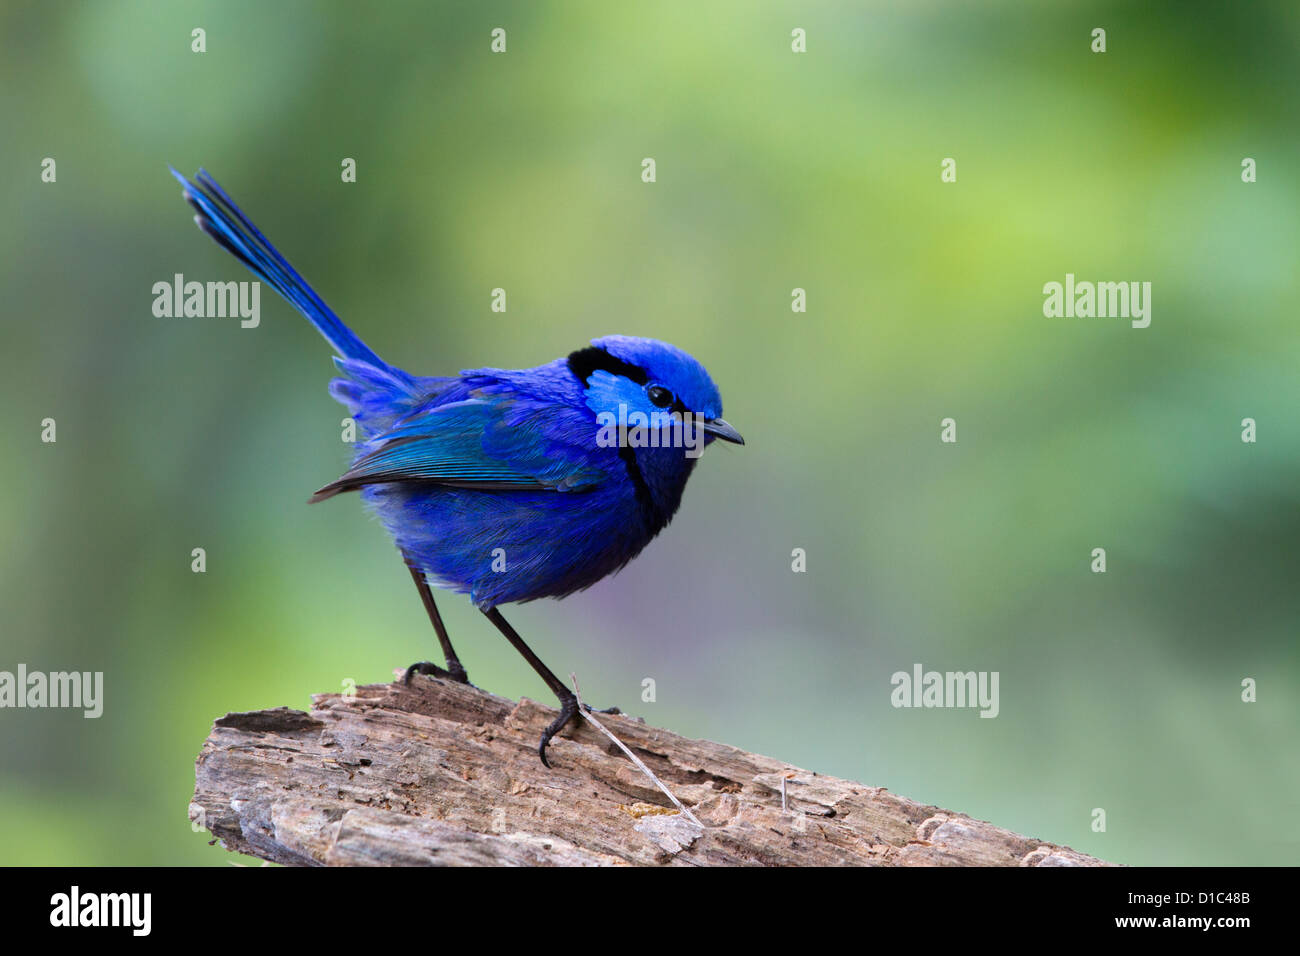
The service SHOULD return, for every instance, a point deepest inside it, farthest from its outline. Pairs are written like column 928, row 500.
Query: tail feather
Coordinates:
column 221, row 219
column 377, row 396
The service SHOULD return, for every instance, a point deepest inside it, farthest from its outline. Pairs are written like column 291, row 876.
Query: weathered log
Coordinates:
column 442, row 773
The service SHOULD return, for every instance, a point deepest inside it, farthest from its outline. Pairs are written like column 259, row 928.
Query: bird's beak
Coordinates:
column 718, row 428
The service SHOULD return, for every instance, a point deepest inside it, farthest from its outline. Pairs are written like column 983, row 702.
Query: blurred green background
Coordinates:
column 775, row 170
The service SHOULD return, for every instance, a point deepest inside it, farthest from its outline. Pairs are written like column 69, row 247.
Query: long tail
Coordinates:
column 221, row 219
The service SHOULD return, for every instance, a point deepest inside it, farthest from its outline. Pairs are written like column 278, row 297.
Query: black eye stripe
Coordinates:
column 585, row 361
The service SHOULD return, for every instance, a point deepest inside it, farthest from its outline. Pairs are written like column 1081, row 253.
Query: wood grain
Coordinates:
column 440, row 773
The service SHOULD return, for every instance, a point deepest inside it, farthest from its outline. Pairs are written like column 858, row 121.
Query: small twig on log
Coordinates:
column 637, row 760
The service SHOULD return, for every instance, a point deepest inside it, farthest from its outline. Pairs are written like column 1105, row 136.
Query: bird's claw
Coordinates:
column 568, row 710
column 453, row 672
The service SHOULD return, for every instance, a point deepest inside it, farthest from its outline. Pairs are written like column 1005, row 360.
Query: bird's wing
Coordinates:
column 490, row 443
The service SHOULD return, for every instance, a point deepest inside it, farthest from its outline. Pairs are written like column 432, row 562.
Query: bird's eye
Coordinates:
column 660, row 395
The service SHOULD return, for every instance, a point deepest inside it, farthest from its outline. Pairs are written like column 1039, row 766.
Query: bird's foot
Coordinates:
column 453, row 671
column 568, row 710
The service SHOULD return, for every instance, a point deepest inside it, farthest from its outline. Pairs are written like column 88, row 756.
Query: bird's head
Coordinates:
column 645, row 383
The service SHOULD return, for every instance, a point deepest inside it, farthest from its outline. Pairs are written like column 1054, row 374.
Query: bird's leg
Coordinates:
column 454, row 670
column 568, row 700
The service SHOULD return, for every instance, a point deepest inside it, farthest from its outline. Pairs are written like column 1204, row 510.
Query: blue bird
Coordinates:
column 503, row 484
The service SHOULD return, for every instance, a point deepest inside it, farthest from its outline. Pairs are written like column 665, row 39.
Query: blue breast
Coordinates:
column 501, row 547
